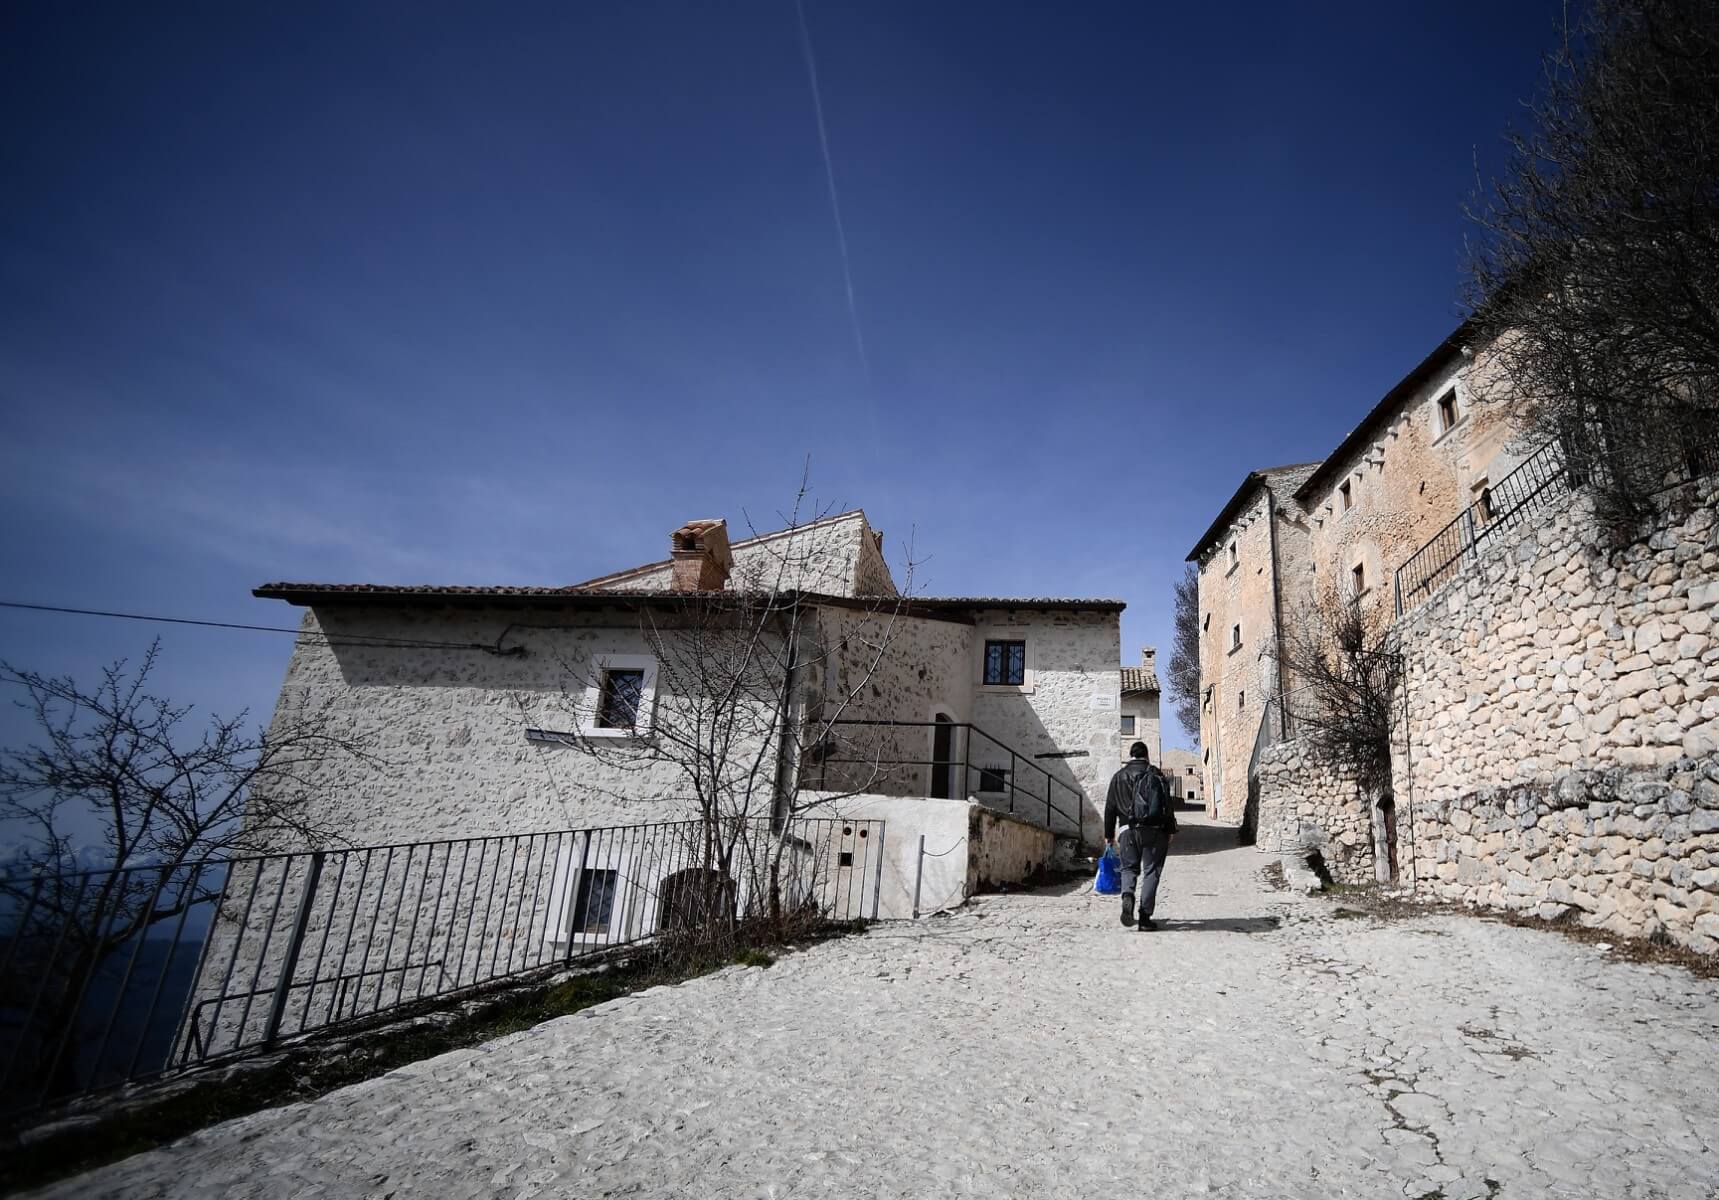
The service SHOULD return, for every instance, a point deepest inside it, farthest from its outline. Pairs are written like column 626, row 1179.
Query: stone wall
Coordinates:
column 1405, row 484
column 1635, row 852
column 1064, row 719
column 1145, row 708
column 1237, row 680
column 1306, row 806
column 1551, row 652
column 837, row 556
column 1552, row 657
column 1184, row 765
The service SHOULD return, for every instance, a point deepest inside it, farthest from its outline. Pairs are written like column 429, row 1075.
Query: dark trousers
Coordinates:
column 1142, row 853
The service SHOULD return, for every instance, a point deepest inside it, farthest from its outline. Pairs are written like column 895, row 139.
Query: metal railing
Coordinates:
column 1662, row 449
column 110, row 977
column 1541, row 478
column 975, row 764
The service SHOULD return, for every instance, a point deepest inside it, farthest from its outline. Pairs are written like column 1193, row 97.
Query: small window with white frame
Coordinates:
column 621, row 696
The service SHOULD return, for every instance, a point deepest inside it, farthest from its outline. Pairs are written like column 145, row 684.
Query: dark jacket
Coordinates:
column 1120, row 797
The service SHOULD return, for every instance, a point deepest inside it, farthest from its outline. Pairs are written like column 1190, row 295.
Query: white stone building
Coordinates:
column 464, row 690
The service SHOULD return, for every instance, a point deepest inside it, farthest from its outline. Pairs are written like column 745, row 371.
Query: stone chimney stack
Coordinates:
column 1149, row 658
column 701, row 556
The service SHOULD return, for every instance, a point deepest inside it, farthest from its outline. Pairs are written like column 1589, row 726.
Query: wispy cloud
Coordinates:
column 830, row 178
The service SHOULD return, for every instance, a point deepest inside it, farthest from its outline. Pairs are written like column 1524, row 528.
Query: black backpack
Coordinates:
column 1151, row 800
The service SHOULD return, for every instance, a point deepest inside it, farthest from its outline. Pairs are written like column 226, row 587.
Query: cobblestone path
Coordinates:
column 1257, row 1045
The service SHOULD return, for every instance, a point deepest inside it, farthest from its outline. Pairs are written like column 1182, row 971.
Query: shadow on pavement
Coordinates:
column 1203, row 839
column 1219, row 924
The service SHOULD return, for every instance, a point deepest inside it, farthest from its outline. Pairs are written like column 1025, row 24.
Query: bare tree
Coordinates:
column 1342, row 656
column 1184, row 675
column 754, row 686
column 1594, row 278
column 120, row 799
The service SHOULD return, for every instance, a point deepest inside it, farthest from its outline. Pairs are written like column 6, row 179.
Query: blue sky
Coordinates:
column 503, row 293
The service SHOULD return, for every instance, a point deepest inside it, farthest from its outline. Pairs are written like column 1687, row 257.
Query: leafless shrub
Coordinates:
column 753, row 686
column 119, row 799
column 1340, row 656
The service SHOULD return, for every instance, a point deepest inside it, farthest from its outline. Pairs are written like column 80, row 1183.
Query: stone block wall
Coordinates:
column 1305, row 806
column 1561, row 718
column 1633, row 851
column 1552, row 652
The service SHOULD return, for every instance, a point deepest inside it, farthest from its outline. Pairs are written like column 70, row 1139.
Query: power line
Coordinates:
column 345, row 639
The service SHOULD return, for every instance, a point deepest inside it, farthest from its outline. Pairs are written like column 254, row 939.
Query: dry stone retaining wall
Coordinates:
column 1307, row 806
column 1563, row 714
column 1632, row 851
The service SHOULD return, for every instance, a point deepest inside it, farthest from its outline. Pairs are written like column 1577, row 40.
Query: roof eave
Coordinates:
column 1449, row 348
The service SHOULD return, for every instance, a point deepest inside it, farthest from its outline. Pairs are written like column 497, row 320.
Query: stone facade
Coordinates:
column 471, row 697
column 1187, row 773
column 1142, row 702
column 1551, row 652
column 839, row 555
column 1382, row 496
column 1633, row 851
column 1305, row 807
column 1242, row 560
column 1562, row 718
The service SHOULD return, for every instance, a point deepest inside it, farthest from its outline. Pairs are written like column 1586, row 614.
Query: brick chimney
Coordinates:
column 701, row 556
column 1149, row 658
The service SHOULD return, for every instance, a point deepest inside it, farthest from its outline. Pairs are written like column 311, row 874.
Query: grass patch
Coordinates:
column 311, row 1070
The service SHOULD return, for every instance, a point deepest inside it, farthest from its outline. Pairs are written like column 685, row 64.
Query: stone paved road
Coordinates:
column 1029, row 1046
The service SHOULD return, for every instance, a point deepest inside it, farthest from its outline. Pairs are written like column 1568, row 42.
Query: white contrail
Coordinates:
column 830, row 177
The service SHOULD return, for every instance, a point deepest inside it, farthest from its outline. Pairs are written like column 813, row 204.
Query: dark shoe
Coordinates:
column 1128, row 908
column 1147, row 924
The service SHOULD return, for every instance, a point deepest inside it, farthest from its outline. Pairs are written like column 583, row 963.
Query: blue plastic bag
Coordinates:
column 1109, row 880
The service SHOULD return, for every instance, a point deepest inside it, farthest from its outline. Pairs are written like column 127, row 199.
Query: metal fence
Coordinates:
column 108, row 977
column 1534, row 485
column 1661, row 449
column 945, row 760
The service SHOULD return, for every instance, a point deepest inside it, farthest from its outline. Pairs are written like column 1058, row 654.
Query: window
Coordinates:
column 1447, row 410
column 993, row 779
column 1205, row 622
column 1127, row 726
column 1348, row 494
column 595, row 907
column 1358, row 578
column 1233, row 557
column 1235, row 637
column 1005, row 663
column 1190, row 770
column 620, row 698
column 1241, row 699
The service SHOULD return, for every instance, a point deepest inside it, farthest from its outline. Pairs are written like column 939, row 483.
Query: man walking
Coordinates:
column 1139, row 799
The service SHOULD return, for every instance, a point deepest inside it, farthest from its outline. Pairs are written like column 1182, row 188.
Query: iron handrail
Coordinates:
column 965, row 762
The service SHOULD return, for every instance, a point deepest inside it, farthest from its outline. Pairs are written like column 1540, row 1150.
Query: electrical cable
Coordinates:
column 344, row 639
